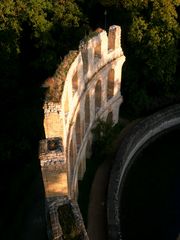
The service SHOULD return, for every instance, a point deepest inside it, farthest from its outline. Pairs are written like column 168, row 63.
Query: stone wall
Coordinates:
column 84, row 88
column 135, row 139
column 57, row 232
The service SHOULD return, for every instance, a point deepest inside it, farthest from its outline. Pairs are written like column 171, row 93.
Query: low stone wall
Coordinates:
column 56, row 231
column 136, row 138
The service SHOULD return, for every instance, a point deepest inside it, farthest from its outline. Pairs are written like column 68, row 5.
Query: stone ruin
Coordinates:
column 85, row 87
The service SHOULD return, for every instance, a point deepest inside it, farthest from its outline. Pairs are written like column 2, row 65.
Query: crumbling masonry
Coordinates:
column 85, row 87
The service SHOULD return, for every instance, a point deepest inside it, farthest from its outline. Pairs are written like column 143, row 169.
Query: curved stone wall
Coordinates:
column 136, row 138
column 85, row 87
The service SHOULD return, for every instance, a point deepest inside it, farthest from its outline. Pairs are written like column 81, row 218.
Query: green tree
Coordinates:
column 37, row 31
column 151, row 31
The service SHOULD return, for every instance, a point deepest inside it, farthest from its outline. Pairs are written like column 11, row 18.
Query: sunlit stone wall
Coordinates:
column 89, row 90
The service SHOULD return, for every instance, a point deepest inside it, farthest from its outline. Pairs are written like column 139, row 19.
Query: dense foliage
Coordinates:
column 34, row 37
column 151, row 33
column 37, row 32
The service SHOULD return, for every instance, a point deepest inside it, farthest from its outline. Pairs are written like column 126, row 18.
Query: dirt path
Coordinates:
column 97, row 227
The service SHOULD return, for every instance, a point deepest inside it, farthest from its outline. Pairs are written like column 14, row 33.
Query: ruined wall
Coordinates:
column 86, row 86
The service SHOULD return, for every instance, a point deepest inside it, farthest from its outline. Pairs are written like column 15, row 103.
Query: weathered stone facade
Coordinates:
column 84, row 88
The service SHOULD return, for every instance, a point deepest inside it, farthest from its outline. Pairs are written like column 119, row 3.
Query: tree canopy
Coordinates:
column 38, row 30
column 151, row 31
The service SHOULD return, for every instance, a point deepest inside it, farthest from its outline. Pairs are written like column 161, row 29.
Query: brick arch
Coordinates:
column 98, row 96
column 110, row 84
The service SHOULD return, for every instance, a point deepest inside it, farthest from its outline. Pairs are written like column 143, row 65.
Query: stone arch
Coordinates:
column 87, row 111
column 75, row 82
column 98, row 92
column 78, row 131
column 81, row 77
column 109, row 118
column 110, row 84
column 136, row 138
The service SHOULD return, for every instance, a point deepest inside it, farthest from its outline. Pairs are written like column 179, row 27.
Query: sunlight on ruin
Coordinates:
column 57, row 186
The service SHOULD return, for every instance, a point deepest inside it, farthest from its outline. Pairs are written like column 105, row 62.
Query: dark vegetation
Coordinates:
column 104, row 148
column 34, row 37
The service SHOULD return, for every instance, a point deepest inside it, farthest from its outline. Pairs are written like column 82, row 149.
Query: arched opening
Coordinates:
column 88, row 149
column 110, row 84
column 98, row 96
column 78, row 132
column 82, row 169
column 97, row 52
column 71, row 155
column 109, row 118
column 87, row 112
column 75, row 82
column 111, row 39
